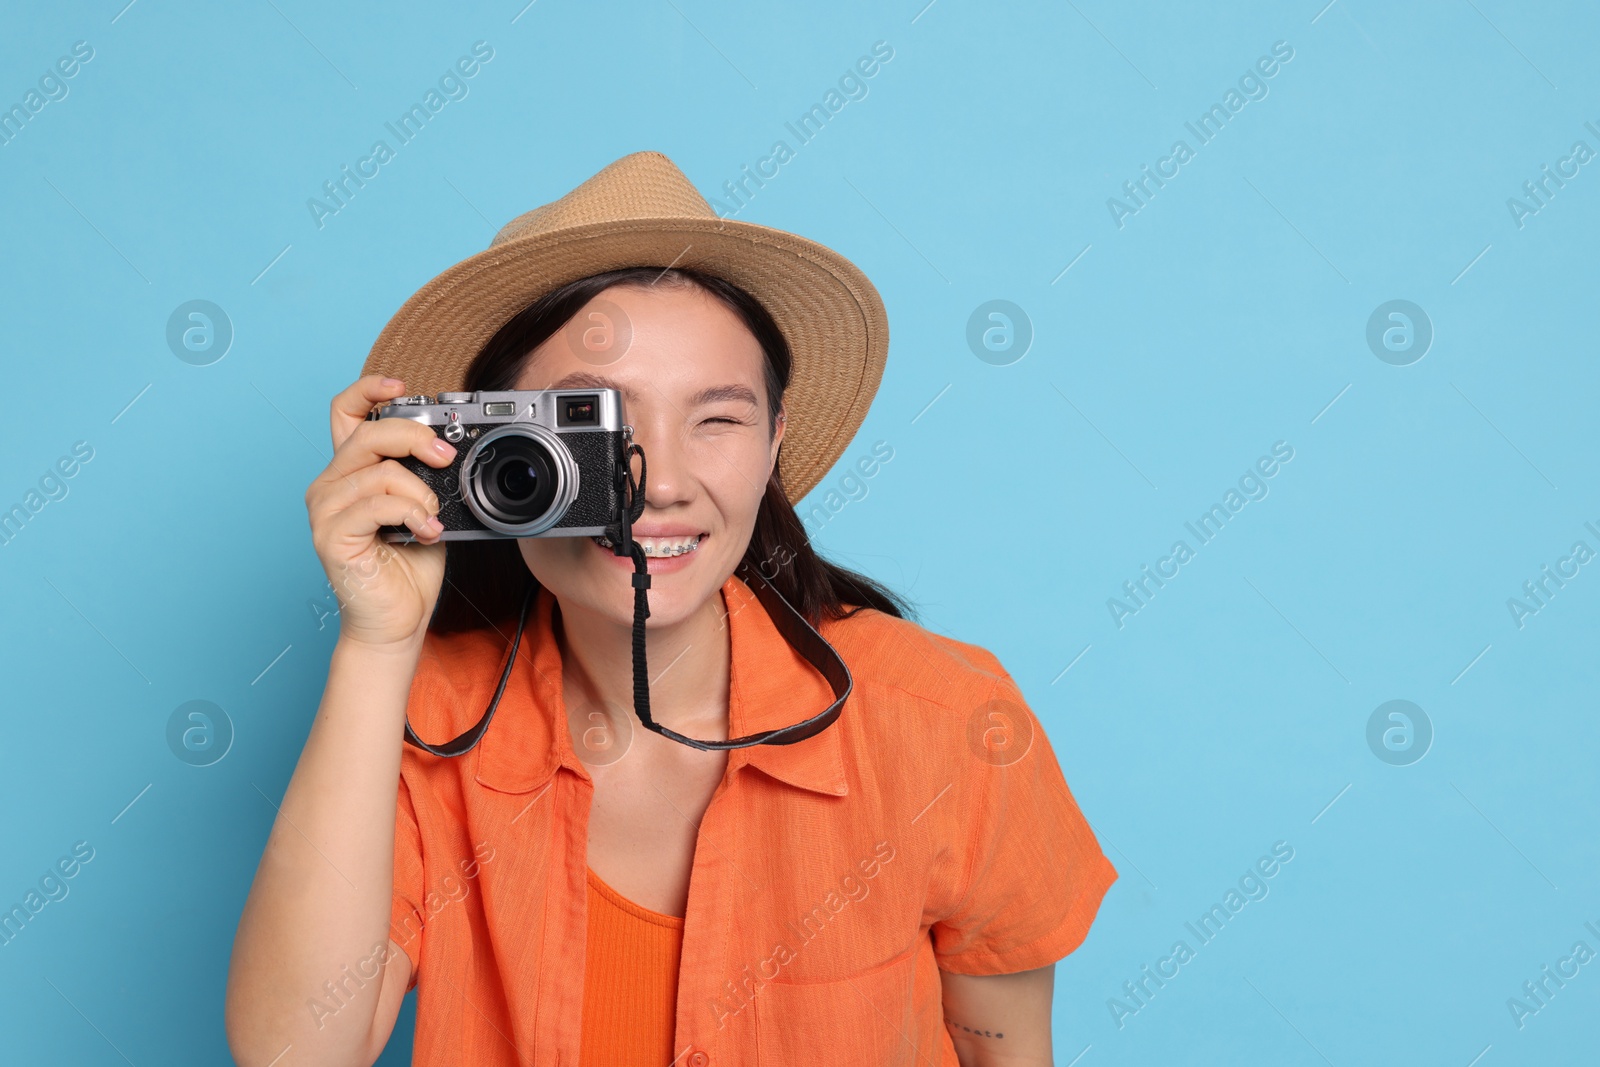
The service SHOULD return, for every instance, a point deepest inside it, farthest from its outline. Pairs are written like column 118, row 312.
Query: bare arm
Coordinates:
column 1000, row 1020
column 313, row 968
column 319, row 907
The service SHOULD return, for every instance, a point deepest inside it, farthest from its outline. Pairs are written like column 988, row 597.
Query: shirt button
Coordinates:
column 698, row 1058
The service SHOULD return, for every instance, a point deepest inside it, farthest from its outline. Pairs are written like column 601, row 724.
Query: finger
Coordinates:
column 350, row 407
column 389, row 476
column 352, row 529
column 381, row 439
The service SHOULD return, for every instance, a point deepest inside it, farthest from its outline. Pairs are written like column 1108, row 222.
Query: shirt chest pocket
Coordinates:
column 867, row 1018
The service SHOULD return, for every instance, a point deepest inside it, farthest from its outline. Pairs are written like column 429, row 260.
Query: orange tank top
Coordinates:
column 630, row 981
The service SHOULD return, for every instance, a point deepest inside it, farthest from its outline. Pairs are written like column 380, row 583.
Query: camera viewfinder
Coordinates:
column 578, row 411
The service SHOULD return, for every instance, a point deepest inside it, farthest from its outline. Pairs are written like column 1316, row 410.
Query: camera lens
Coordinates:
column 514, row 480
column 519, row 479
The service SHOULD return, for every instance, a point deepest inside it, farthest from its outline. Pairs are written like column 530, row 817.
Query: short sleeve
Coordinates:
column 405, row 914
column 1037, row 874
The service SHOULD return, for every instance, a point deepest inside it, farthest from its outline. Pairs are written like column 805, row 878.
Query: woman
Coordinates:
column 576, row 888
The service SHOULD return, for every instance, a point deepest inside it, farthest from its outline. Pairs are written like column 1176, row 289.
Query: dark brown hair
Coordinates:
column 485, row 580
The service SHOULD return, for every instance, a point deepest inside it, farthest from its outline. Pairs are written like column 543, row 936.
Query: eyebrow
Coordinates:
column 709, row 395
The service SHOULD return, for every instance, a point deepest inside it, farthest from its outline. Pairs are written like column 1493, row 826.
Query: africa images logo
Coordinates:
column 1253, row 886
column 852, row 86
column 452, row 85
column 1205, row 129
column 739, row 995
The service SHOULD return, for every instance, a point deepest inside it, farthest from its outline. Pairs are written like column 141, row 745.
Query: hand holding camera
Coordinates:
column 386, row 591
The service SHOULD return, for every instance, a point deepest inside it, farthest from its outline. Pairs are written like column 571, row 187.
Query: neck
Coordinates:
column 688, row 663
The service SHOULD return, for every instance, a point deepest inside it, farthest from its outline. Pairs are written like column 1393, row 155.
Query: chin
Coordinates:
column 673, row 599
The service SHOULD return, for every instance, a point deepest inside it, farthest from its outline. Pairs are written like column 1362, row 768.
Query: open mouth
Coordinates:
column 659, row 547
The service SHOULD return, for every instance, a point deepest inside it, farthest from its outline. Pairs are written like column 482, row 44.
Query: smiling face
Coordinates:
column 693, row 390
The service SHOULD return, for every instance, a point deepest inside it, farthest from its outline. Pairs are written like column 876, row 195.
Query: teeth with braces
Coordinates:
column 654, row 548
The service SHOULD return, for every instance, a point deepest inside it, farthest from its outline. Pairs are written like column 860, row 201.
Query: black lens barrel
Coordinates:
column 514, row 480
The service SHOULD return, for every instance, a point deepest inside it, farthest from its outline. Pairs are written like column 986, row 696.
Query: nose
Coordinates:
column 668, row 480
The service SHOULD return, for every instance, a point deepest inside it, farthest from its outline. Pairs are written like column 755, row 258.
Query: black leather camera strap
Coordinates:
column 793, row 626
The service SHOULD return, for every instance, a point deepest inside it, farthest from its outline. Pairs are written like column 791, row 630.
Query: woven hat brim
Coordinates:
column 830, row 313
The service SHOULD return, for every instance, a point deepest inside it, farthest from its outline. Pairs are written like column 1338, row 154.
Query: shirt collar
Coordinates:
column 770, row 685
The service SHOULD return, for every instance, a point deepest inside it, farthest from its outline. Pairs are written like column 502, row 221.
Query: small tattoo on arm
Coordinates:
column 969, row 1030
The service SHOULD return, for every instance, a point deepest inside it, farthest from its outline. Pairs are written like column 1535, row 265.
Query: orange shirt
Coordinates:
column 929, row 827
column 630, row 980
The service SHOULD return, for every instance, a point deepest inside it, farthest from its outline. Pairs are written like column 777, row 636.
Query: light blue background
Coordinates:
column 1228, row 314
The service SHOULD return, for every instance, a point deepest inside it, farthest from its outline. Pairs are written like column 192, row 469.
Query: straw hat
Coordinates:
column 642, row 211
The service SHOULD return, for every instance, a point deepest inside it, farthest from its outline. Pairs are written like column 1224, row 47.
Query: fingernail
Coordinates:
column 444, row 448
column 434, row 525
column 391, row 383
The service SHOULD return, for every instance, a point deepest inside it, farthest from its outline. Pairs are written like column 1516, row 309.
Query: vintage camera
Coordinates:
column 529, row 462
